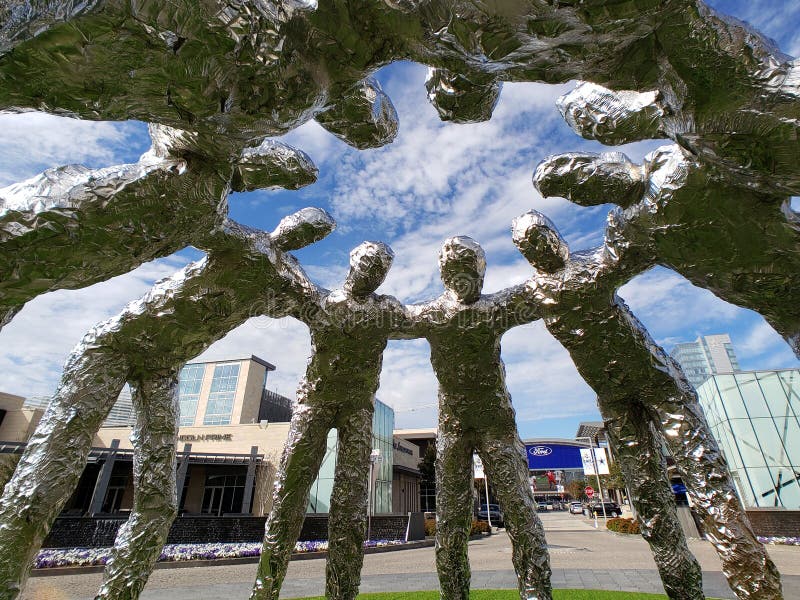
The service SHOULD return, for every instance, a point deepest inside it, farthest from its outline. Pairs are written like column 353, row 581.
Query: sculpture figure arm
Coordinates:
column 71, row 227
column 401, row 320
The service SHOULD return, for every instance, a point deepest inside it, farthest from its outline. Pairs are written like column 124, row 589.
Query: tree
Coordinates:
column 427, row 466
column 614, row 480
column 575, row 489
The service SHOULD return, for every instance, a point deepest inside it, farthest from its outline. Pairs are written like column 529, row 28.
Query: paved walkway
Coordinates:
column 581, row 557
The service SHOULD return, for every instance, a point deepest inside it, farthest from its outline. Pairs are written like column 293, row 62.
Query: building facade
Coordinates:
column 755, row 418
column 230, row 440
column 552, row 463
column 708, row 355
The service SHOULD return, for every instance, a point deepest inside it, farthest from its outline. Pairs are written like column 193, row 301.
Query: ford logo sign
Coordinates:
column 540, row 451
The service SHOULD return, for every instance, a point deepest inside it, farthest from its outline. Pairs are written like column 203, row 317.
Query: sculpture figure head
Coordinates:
column 538, row 240
column 369, row 264
column 462, row 264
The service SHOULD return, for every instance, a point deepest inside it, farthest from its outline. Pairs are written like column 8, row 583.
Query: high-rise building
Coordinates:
column 706, row 356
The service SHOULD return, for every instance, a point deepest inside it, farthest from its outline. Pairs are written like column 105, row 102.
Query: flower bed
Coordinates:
column 83, row 557
column 786, row 541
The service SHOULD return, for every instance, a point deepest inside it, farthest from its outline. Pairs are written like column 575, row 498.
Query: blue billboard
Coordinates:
column 546, row 457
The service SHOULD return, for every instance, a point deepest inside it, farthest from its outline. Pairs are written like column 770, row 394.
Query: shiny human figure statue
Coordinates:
column 463, row 328
column 647, row 404
column 349, row 330
column 71, row 227
column 146, row 345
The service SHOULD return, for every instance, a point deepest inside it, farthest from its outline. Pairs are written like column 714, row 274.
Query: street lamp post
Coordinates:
column 374, row 457
column 597, row 474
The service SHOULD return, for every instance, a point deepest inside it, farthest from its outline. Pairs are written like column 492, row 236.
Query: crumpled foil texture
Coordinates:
column 464, row 329
column 694, row 220
column 349, row 327
column 155, row 498
column 156, row 334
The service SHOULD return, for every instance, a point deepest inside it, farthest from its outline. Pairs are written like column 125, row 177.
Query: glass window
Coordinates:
column 190, row 382
column 222, row 395
column 791, row 384
column 771, row 444
column 319, row 500
column 223, row 493
column 725, row 436
column 747, row 443
column 789, row 430
column 764, row 487
column 754, row 401
column 743, row 487
column 731, row 399
column 777, row 400
column 785, row 491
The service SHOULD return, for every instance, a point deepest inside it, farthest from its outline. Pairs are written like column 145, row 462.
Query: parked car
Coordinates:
column 494, row 512
column 612, row 509
column 576, row 508
column 541, row 506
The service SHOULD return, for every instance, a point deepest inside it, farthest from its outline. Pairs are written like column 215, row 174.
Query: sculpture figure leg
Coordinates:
column 55, row 457
column 674, row 408
column 638, row 449
column 748, row 568
column 302, row 457
column 155, row 503
column 503, row 456
column 347, row 524
column 454, row 504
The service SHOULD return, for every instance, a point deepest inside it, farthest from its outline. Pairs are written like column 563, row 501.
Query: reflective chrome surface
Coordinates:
column 464, row 329
column 146, row 343
column 217, row 78
column 349, row 330
column 748, row 256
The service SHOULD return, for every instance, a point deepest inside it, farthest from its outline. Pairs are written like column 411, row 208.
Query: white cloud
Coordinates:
column 664, row 301
column 283, row 342
column 34, row 346
column 33, row 142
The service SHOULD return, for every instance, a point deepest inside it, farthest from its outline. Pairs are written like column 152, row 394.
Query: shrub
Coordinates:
column 623, row 525
column 479, row 527
column 430, row 526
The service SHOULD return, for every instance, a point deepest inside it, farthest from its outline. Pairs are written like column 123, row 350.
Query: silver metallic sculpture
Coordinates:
column 219, row 77
column 349, row 328
column 271, row 284
column 70, row 227
column 146, row 344
column 464, row 329
column 646, row 402
column 721, row 234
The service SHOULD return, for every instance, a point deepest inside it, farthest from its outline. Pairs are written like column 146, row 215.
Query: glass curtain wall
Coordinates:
column 754, row 417
column 223, row 392
column 382, row 437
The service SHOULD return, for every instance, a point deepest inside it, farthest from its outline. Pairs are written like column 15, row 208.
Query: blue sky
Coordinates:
column 434, row 181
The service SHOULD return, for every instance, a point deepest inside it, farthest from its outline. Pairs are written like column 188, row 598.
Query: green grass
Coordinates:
column 513, row 595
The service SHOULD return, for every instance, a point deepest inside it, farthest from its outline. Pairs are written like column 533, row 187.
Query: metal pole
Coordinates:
column 369, row 499
column 486, row 487
column 597, row 474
